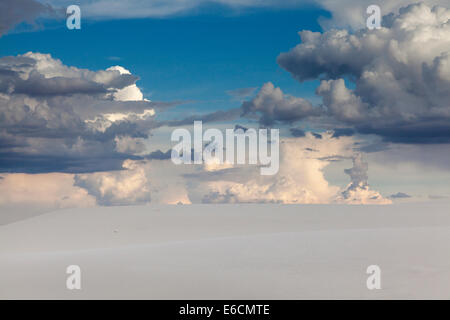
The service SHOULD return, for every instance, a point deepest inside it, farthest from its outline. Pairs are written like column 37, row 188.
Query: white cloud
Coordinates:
column 129, row 93
column 140, row 182
column 401, row 74
column 49, row 190
column 300, row 179
column 358, row 191
column 352, row 13
column 129, row 186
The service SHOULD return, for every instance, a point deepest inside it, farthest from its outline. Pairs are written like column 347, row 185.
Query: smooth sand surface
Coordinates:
column 229, row 252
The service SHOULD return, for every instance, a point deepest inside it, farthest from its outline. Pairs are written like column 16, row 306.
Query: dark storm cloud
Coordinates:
column 402, row 87
column 372, row 147
column 399, row 195
column 239, row 127
column 29, row 163
column 159, row 155
column 343, row 132
column 428, row 131
column 271, row 106
column 89, row 106
column 37, row 85
column 21, row 75
column 296, row 132
column 13, row 12
column 59, row 118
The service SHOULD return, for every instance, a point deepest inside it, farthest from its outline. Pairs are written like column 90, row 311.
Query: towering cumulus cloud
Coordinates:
column 300, row 179
column 401, row 74
column 358, row 191
column 126, row 187
column 351, row 13
column 59, row 118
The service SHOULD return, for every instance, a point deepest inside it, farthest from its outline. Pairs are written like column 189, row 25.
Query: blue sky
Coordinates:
column 197, row 58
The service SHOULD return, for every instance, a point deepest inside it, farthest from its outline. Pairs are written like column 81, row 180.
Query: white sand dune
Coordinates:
column 229, row 252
